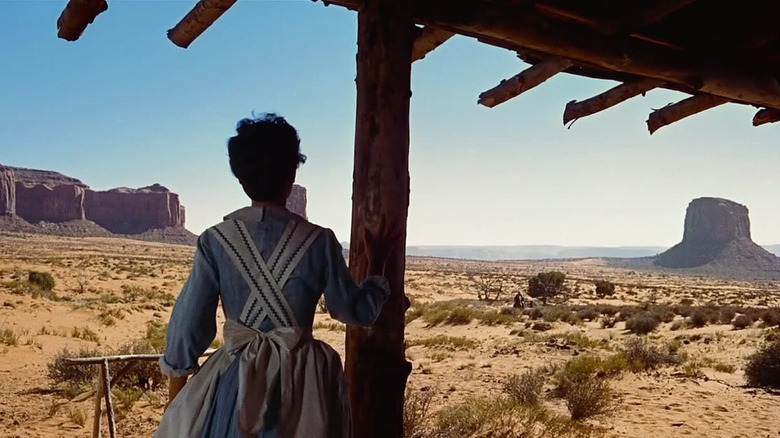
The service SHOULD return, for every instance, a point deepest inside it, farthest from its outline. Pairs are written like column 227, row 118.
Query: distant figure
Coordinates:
column 269, row 268
column 519, row 301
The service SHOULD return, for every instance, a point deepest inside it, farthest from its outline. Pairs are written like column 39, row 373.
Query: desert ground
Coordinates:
column 115, row 295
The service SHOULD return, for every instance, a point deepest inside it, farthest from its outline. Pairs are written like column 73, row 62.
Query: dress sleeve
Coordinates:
column 347, row 302
column 193, row 323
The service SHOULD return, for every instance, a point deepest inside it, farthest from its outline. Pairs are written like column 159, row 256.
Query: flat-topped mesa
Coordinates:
column 134, row 211
column 296, row 202
column 716, row 220
column 46, row 177
column 717, row 234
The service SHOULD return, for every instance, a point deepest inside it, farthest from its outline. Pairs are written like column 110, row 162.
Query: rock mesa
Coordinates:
column 717, row 235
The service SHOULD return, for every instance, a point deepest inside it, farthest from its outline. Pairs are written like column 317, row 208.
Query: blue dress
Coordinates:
column 214, row 276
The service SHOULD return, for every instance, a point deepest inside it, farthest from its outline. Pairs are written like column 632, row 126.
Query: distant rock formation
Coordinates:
column 59, row 204
column 7, row 191
column 717, row 236
column 296, row 203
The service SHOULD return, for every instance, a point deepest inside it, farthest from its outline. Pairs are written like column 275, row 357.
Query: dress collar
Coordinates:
column 256, row 214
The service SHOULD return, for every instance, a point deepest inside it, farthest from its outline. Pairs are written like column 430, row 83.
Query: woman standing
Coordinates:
column 269, row 267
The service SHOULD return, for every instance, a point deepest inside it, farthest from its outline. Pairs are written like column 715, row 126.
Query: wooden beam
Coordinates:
column 739, row 83
column 77, row 15
column 203, row 15
column 638, row 17
column 524, row 81
column 766, row 115
column 575, row 110
column 428, row 39
column 376, row 367
column 682, row 109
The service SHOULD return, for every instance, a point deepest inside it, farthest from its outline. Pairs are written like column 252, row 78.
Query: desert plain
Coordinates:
column 116, row 295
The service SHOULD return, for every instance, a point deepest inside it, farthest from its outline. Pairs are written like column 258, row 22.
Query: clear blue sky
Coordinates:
column 125, row 107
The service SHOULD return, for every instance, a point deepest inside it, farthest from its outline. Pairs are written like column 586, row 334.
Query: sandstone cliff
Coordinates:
column 7, row 191
column 717, row 237
column 296, row 203
column 57, row 204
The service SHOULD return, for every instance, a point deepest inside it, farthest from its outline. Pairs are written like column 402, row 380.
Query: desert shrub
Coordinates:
column 448, row 342
column 724, row 368
column 541, row 326
column 726, row 315
column 593, row 397
column 155, row 334
column 627, row 312
column 417, row 404
column 677, row 325
column 604, row 288
column 763, row 367
column 663, row 314
column 42, row 280
column 683, row 310
column 642, row 323
column 771, row 317
column 488, row 288
column 588, row 314
column 124, row 400
column 460, row 316
column 472, row 415
column 643, row 356
column 77, row 416
column 546, row 285
column 9, row 337
column 413, row 313
column 60, row 372
column 144, row 375
column 553, row 314
column 742, row 321
column 699, row 318
column 533, row 313
column 608, row 321
column 490, row 317
column 526, row 389
column 608, row 309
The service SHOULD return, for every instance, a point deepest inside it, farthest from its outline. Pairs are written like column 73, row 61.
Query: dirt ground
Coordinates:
column 113, row 292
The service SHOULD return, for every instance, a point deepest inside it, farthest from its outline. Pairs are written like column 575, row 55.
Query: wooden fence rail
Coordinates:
column 105, row 382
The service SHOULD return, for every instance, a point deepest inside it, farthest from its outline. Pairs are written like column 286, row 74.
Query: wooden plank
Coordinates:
column 766, row 115
column 575, row 110
column 77, row 15
column 682, row 109
column 428, row 39
column 524, row 81
column 98, row 413
column 200, row 18
column 109, row 405
column 376, row 367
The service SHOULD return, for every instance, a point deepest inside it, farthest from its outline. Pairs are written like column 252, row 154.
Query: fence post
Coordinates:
column 98, row 400
column 109, row 406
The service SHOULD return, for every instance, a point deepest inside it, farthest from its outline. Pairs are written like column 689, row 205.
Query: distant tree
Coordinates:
column 604, row 288
column 489, row 288
column 546, row 285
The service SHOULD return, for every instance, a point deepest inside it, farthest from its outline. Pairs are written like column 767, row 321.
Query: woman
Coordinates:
column 269, row 267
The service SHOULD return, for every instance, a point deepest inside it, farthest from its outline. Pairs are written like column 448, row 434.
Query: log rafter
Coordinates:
column 428, row 39
column 524, row 81
column 200, row 18
column 687, row 107
column 77, row 15
column 766, row 115
column 575, row 110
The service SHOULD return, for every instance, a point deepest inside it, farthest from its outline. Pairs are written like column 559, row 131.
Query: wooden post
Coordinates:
column 98, row 402
column 376, row 367
column 107, row 392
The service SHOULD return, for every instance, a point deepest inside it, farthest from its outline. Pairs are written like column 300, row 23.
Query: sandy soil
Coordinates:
column 116, row 287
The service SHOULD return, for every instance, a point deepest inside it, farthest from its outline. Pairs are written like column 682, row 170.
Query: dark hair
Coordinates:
column 264, row 156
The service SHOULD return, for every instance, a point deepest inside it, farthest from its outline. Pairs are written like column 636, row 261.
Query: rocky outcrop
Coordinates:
column 296, row 203
column 42, row 203
column 56, row 203
column 717, row 235
column 134, row 211
column 7, row 191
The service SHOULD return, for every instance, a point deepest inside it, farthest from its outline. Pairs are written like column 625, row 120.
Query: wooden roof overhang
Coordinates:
column 716, row 51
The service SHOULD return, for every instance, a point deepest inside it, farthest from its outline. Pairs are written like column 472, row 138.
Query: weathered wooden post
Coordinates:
column 376, row 367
